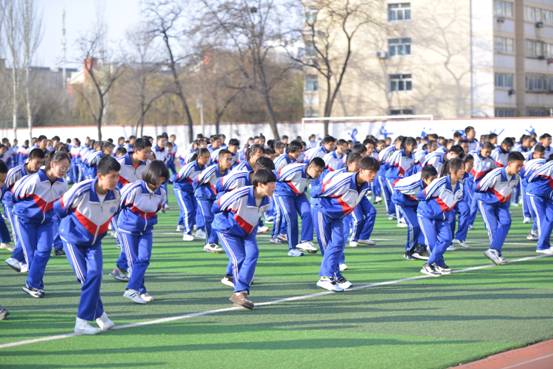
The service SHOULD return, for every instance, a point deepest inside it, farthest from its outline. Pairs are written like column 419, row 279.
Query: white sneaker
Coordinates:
column 329, row 284
column 527, row 220
column 134, row 296
column 5, row 246
column 463, row 244
column 187, row 237
column 104, row 322
column 295, row 252
column 200, row 234
column 14, row 264
column 343, row 267
column 212, row 248
column 263, row 229
column 532, row 236
column 451, row 248
column 228, row 281
column 548, row 251
column 147, row 297
column 24, row 268
column 180, row 228
column 307, row 246
column 367, row 242
column 343, row 283
column 83, row 327
column 402, row 225
column 445, row 270
column 494, row 256
column 377, row 199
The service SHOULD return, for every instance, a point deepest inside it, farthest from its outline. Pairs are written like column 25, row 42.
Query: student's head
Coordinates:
column 233, row 145
column 294, row 149
column 469, row 163
column 486, row 150
column 3, row 172
column 359, row 148
column 107, row 148
column 492, row 138
column 315, row 168
column 57, row 164
column 329, row 143
column 456, row 169
column 455, row 151
column 409, row 144
column 156, row 174
column 539, row 152
column 470, row 133
column 254, row 152
column 142, row 149
column 545, row 139
column 515, row 161
column 161, row 141
column 352, row 161
column 42, row 142
column 35, row 160
column 224, row 159
column 341, row 146
column 368, row 167
column 507, row 144
column 108, row 173
column 120, row 152
column 203, row 156
column 263, row 181
column 264, row 163
column 428, row 174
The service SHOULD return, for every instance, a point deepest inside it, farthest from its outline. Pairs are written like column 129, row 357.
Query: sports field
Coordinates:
column 394, row 318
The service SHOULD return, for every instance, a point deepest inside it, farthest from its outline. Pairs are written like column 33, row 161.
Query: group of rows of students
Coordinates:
column 226, row 192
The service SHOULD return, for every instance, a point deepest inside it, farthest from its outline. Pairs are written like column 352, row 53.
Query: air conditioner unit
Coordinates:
column 500, row 19
column 511, row 92
column 539, row 24
column 541, row 57
column 549, row 61
column 382, row 54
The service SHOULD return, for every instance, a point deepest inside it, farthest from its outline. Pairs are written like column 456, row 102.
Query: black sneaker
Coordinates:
column 3, row 313
column 59, row 252
column 420, row 253
column 430, row 270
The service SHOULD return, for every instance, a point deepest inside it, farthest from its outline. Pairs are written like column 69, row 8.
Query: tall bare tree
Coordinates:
column 12, row 27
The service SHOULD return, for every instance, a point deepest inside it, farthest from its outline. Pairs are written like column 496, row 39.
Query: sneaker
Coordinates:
column 180, row 228
column 33, row 292
column 14, row 264
column 343, row 267
column 532, row 236
column 263, row 229
column 307, row 246
column 3, row 313
column 241, row 299
column 463, row 244
column 353, row 243
column 548, row 251
column 366, row 242
column 443, row 270
column 119, row 275
column 401, row 225
column 419, row 255
column 228, row 281
column 275, row 240
column 430, row 270
column 200, row 233
column 104, row 322
column 24, row 268
column 283, row 237
column 408, row 255
column 527, row 220
column 377, row 200
column 187, row 237
column 270, row 220
column 343, row 283
column 83, row 327
column 59, row 252
column 329, row 284
column 391, row 217
column 147, row 297
column 134, row 296
column 494, row 256
column 295, row 252
column 5, row 246
column 212, row 248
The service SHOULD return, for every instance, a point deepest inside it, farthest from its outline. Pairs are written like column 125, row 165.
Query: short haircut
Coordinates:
column 263, row 176
column 294, row 146
column 223, row 152
column 233, row 142
column 468, row 129
column 318, row 162
column 508, row 141
column 36, row 153
column 264, row 163
column 341, row 142
column 428, row 171
column 155, row 170
column 353, row 157
column 544, row 136
column 253, row 149
column 487, row 146
column 120, row 151
column 369, row 163
column 3, row 167
column 468, row 158
column 515, row 156
column 455, row 164
column 408, row 141
column 358, row 148
column 539, row 148
column 328, row 139
column 108, row 164
column 141, row 144
column 457, row 149
column 56, row 157
column 203, row 151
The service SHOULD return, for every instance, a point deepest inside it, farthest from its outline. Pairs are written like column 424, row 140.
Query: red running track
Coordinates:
column 538, row 356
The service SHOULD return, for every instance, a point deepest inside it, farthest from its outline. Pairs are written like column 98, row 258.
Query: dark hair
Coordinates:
column 428, row 171
column 353, row 157
column 457, row 149
column 263, row 176
column 487, row 146
column 544, row 136
column 3, row 167
column 56, row 157
column 358, row 148
column 294, row 146
column 223, row 152
column 203, row 151
column 369, row 163
column 107, row 145
column 539, row 148
column 108, row 164
column 141, row 144
column 515, row 156
column 120, row 150
column 408, row 141
column 156, row 169
column 468, row 158
column 36, row 153
column 318, row 162
column 328, row 139
column 468, row 129
column 264, row 163
column 233, row 142
column 455, row 164
column 253, row 149
column 508, row 141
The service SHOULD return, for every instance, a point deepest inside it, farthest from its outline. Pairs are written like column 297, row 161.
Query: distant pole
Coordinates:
column 63, row 50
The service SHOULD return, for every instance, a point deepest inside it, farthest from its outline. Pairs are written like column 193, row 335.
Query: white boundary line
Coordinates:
column 267, row 303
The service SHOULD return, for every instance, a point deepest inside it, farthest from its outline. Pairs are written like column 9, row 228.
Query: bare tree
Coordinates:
column 12, row 26
column 31, row 35
column 164, row 20
column 329, row 32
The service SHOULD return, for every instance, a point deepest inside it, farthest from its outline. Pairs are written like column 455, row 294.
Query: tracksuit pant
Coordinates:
column 87, row 264
column 498, row 221
column 364, row 217
column 187, row 205
column 291, row 207
column 463, row 209
column 243, row 254
column 17, row 252
column 526, row 207
column 138, row 248
column 37, row 245
column 438, row 235
column 543, row 208
column 57, row 243
column 204, row 207
column 279, row 225
column 414, row 235
column 387, row 196
column 318, row 223
column 331, row 237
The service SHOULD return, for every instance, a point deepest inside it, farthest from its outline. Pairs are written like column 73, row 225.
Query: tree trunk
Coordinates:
column 268, row 103
column 14, row 101
column 28, row 102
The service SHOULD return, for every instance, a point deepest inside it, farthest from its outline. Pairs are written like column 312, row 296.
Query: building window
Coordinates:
column 504, row 80
column 504, row 45
column 538, row 82
column 311, row 83
column 311, row 16
column 535, row 15
column 402, row 111
column 309, row 49
column 505, row 112
column 400, row 82
column 538, row 112
column 503, row 8
column 538, row 49
column 399, row 11
column 399, row 46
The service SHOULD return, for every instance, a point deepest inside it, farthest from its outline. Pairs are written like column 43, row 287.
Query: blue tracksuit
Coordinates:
column 14, row 174
column 481, row 167
column 529, row 168
column 279, row 226
column 405, row 198
column 236, row 219
column 436, row 214
column 540, row 194
column 138, row 215
column 85, row 219
column 385, row 190
column 184, row 191
column 493, row 194
column 463, row 208
column 34, row 196
column 206, row 193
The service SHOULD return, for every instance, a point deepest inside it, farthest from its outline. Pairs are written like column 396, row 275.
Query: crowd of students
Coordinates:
column 68, row 196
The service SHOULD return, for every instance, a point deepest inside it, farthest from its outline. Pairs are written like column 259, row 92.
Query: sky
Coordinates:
column 80, row 18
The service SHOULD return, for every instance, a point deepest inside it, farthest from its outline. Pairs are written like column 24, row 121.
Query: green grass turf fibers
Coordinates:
column 427, row 323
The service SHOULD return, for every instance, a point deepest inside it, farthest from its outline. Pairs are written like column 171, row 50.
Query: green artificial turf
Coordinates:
column 426, row 323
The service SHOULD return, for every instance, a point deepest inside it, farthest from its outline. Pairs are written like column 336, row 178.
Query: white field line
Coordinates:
column 267, row 303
